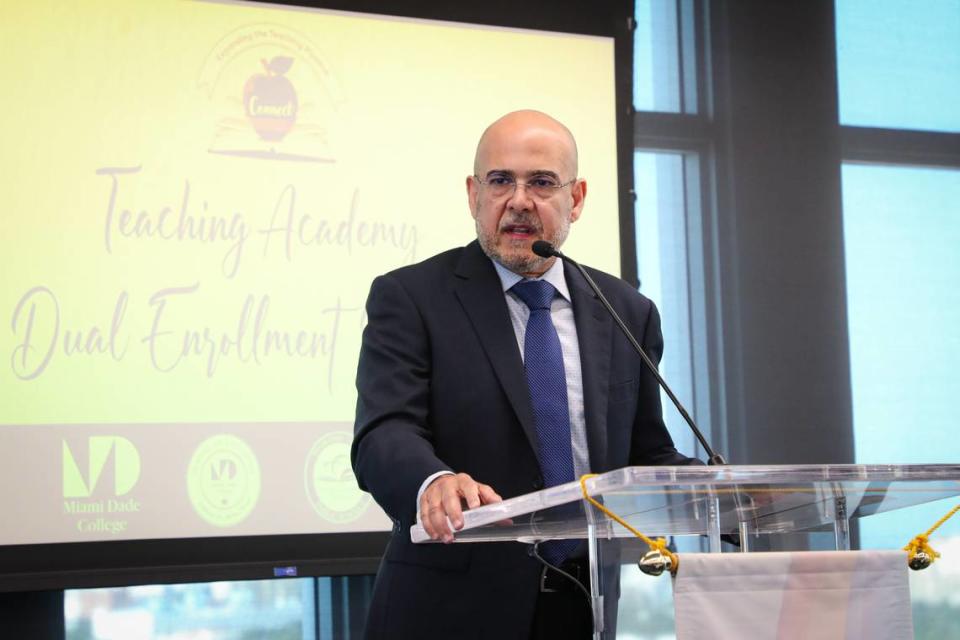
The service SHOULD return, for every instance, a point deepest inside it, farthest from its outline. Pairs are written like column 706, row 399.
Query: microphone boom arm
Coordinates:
column 714, row 458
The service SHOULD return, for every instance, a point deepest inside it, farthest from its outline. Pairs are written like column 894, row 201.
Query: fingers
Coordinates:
column 433, row 507
column 450, row 500
column 471, row 495
column 488, row 495
column 442, row 503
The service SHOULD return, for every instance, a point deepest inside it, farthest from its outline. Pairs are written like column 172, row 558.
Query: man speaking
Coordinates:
column 488, row 372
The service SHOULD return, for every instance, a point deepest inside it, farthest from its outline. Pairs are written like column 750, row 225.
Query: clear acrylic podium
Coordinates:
column 744, row 501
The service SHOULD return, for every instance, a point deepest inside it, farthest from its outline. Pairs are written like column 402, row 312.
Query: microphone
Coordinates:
column 546, row 250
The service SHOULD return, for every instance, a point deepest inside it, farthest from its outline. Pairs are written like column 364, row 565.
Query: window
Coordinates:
column 656, row 61
column 667, row 225
column 898, row 64
column 672, row 140
column 899, row 70
column 285, row 609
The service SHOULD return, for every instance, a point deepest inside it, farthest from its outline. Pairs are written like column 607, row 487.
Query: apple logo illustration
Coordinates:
column 270, row 100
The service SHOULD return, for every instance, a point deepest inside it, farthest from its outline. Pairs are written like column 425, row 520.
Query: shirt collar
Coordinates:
column 554, row 275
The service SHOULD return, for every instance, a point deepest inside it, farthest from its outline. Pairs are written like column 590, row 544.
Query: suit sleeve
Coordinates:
column 392, row 449
column 651, row 443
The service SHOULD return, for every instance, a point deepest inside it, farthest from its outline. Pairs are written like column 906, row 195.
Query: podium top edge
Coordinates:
column 764, row 474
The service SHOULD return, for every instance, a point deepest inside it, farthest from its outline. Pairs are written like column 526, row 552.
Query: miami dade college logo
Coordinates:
column 100, row 451
column 85, row 500
column 275, row 96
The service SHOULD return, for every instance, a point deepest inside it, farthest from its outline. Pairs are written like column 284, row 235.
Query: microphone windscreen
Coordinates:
column 543, row 249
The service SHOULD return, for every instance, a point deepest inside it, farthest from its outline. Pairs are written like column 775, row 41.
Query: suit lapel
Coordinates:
column 593, row 334
column 479, row 291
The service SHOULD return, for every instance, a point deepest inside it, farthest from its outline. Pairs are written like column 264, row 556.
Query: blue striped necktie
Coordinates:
column 547, row 381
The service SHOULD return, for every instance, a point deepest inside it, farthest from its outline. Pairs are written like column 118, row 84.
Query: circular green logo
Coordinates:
column 330, row 483
column 223, row 480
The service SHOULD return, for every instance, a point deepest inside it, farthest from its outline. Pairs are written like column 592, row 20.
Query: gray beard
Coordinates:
column 523, row 261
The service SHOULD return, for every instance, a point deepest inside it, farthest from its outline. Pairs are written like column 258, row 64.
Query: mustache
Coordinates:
column 515, row 220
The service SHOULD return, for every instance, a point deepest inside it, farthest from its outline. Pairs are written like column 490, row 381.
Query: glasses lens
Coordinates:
column 499, row 184
column 543, row 186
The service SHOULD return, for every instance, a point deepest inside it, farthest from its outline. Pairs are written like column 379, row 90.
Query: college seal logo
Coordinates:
column 223, row 480
column 329, row 480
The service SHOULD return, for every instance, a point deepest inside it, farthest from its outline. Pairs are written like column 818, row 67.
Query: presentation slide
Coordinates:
column 196, row 197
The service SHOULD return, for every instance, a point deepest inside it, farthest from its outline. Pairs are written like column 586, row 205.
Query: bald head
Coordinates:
column 520, row 127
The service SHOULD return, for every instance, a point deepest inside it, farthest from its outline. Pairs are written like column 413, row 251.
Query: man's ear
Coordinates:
column 473, row 194
column 579, row 192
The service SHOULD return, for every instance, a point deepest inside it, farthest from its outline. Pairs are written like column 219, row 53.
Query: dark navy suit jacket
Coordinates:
column 441, row 386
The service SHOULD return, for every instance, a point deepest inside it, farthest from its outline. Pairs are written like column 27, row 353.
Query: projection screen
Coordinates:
column 197, row 196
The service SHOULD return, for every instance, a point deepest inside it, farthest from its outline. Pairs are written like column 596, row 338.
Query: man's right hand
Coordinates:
column 446, row 498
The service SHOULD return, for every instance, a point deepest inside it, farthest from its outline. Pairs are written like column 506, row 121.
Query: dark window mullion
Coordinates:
column 900, row 146
column 671, row 131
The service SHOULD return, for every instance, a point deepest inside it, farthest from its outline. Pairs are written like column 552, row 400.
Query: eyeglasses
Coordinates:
column 540, row 186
